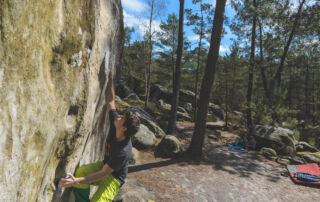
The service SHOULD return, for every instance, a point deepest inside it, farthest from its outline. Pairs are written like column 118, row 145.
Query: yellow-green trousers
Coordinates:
column 108, row 187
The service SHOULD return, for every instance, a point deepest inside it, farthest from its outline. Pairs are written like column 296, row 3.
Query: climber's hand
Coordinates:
column 69, row 181
column 110, row 74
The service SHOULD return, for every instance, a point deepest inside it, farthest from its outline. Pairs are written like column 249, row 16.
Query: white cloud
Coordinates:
column 140, row 23
column 193, row 37
column 134, row 5
column 223, row 49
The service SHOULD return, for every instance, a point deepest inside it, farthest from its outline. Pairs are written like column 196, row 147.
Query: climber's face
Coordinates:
column 118, row 123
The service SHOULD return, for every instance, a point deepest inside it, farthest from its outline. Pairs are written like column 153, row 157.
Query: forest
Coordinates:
column 271, row 73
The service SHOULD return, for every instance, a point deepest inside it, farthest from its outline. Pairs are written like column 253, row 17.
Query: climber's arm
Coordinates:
column 69, row 182
column 110, row 95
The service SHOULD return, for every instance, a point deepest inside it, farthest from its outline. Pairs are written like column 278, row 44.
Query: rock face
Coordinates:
column 52, row 80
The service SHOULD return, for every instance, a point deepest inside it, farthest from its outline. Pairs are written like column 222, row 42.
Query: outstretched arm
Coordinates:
column 71, row 181
column 110, row 95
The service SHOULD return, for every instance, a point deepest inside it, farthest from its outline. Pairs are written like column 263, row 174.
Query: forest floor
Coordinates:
column 224, row 175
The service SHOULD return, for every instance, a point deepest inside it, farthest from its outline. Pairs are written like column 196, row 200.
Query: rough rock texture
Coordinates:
column 168, row 147
column 214, row 109
column 304, row 146
column 133, row 191
column 279, row 139
column 310, row 157
column 144, row 138
column 134, row 160
column 52, row 81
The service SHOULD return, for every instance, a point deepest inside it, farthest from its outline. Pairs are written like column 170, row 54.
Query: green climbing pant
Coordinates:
column 108, row 187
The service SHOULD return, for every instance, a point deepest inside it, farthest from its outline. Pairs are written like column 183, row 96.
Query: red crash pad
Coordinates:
column 311, row 168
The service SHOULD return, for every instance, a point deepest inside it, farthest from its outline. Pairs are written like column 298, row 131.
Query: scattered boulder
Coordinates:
column 186, row 96
column 293, row 160
column 188, row 106
column 183, row 116
column 134, row 160
column 133, row 191
column 132, row 96
column 279, row 139
column 310, row 157
column 121, row 105
column 164, row 106
column 268, row 152
column 144, row 138
column 168, row 147
column 215, row 125
column 181, row 109
column 214, row 109
column 216, row 135
column 158, row 92
column 122, row 90
column 148, row 121
column 305, row 147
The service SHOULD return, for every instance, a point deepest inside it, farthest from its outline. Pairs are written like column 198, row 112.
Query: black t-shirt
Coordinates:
column 117, row 154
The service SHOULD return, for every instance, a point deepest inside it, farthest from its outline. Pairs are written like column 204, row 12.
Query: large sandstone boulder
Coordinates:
column 133, row 191
column 55, row 59
column 168, row 147
column 134, row 160
column 148, row 120
column 144, row 138
column 214, row 109
column 279, row 139
column 305, row 147
column 186, row 96
column 158, row 92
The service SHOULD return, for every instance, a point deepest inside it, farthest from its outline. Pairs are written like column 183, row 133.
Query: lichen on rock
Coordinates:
column 52, row 80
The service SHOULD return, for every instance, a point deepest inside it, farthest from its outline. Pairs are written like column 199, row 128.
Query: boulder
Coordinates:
column 134, row 159
column 144, row 138
column 163, row 106
column 122, row 90
column 214, row 109
column 216, row 135
column 148, row 120
column 132, row 96
column 268, row 152
column 183, row 116
column 310, row 157
column 181, row 109
column 215, row 125
column 188, row 107
column 55, row 60
column 158, row 92
column 279, row 139
column 168, row 147
column 133, row 191
column 305, row 147
column 186, row 96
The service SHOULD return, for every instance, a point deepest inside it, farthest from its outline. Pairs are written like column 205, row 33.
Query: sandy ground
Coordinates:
column 226, row 175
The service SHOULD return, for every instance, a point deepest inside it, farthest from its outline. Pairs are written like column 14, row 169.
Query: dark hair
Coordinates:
column 132, row 123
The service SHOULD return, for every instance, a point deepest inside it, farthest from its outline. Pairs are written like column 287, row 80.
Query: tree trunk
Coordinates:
column 195, row 148
column 149, row 58
column 263, row 75
column 198, row 67
column 250, row 80
column 176, row 84
column 284, row 55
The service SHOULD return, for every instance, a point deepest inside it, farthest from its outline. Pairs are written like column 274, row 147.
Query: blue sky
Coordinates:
column 136, row 15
